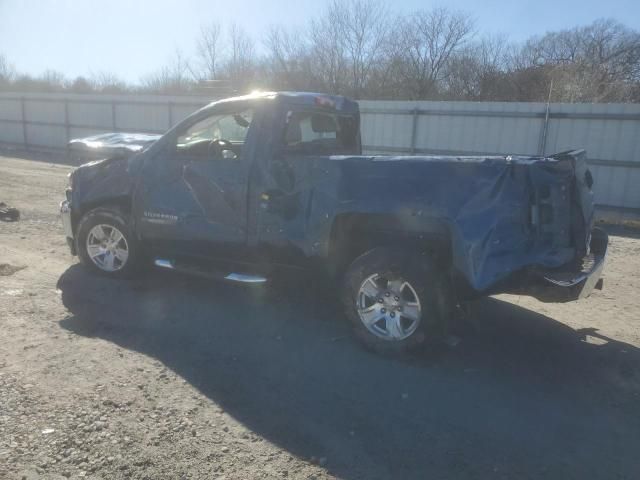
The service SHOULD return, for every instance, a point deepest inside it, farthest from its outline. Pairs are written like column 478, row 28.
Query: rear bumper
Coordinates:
column 65, row 214
column 568, row 284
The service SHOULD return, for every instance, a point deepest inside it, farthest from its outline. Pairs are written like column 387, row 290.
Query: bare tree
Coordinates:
column 364, row 29
column 478, row 71
column 429, row 39
column 80, row 85
column 240, row 63
column 175, row 77
column 7, row 71
column 287, row 61
column 595, row 63
column 329, row 67
column 49, row 81
column 346, row 45
column 53, row 80
column 362, row 49
column 107, row 82
column 209, row 50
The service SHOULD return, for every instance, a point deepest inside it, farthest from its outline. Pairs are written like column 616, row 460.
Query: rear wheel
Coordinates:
column 105, row 243
column 395, row 301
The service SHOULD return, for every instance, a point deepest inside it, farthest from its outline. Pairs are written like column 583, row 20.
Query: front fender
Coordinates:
column 101, row 182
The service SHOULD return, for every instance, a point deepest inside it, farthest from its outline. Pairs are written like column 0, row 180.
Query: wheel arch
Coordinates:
column 353, row 234
column 121, row 203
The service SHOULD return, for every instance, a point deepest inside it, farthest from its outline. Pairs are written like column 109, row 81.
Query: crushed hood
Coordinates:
column 112, row 144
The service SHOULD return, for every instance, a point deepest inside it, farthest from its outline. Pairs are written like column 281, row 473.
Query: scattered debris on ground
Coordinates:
column 7, row 269
column 9, row 214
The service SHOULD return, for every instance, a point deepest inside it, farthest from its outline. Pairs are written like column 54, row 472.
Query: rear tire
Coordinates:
column 106, row 244
column 395, row 301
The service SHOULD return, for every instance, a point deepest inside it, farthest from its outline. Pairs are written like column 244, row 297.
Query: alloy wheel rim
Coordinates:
column 389, row 307
column 107, row 248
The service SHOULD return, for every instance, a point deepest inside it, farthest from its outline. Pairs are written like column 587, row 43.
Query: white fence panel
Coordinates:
column 97, row 115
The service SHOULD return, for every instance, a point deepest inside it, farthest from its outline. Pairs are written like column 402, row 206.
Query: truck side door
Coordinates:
column 192, row 197
column 308, row 136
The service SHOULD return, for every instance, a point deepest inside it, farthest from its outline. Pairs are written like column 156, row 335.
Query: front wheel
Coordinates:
column 395, row 301
column 105, row 243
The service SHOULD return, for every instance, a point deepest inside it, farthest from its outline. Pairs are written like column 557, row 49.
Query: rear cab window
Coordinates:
column 313, row 132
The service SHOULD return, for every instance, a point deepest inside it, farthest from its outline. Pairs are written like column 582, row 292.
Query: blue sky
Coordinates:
column 132, row 38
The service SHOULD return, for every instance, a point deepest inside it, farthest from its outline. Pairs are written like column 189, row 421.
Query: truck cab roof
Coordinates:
column 330, row 102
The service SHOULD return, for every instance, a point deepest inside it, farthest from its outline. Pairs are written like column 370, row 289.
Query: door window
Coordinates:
column 221, row 135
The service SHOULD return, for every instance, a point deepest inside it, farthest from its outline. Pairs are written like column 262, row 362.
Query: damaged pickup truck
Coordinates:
column 248, row 188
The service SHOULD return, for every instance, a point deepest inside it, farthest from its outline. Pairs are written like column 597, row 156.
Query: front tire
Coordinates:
column 106, row 244
column 395, row 301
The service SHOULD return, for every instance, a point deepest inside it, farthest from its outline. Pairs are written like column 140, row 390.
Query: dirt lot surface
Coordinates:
column 168, row 377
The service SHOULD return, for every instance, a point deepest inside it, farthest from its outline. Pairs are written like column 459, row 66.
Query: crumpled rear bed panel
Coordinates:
column 485, row 203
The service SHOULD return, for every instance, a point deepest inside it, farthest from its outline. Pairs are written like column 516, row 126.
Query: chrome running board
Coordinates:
column 245, row 278
column 214, row 274
column 162, row 263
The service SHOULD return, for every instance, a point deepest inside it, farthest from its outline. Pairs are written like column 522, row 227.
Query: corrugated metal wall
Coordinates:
column 609, row 132
column 49, row 121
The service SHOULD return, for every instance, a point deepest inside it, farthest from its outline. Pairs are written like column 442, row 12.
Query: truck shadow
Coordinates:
column 524, row 393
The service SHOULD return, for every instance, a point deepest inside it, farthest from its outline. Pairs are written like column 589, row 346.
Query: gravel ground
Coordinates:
column 171, row 377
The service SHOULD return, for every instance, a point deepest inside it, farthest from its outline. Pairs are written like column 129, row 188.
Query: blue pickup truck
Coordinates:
column 253, row 187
